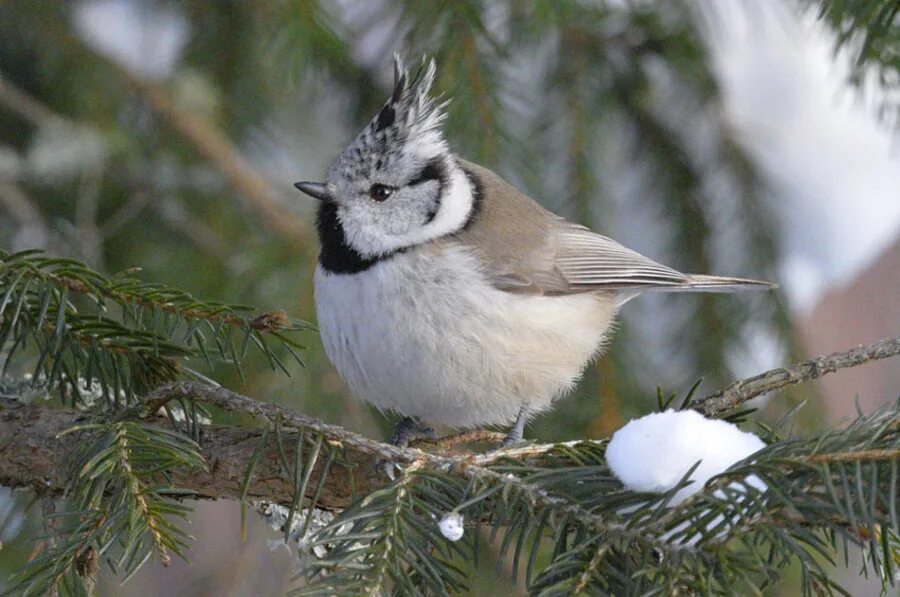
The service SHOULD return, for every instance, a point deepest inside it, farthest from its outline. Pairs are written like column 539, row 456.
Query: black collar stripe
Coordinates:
column 338, row 257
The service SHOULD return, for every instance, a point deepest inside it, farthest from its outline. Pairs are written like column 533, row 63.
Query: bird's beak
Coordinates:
column 316, row 190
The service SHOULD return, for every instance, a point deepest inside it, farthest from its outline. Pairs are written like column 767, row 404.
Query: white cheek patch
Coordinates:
column 457, row 200
column 456, row 204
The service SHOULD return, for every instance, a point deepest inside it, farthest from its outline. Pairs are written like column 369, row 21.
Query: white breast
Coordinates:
column 424, row 334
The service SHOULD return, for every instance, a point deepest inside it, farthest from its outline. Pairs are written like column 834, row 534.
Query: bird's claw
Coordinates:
column 514, row 443
column 407, row 429
column 515, row 435
column 388, row 468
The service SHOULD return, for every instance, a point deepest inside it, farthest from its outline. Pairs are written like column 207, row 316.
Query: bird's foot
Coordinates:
column 407, row 429
column 516, row 434
column 514, row 442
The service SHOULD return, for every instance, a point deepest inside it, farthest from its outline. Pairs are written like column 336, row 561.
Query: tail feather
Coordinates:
column 703, row 283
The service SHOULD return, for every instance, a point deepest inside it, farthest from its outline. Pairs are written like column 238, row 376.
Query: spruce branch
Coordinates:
column 371, row 449
column 870, row 29
column 119, row 505
column 126, row 335
column 743, row 390
column 724, row 401
column 74, row 276
column 837, row 486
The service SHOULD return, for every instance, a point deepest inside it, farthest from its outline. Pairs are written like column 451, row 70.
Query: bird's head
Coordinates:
column 397, row 184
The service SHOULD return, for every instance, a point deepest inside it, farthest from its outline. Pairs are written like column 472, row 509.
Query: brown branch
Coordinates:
column 232, row 401
column 449, row 443
column 31, row 446
column 31, row 449
column 746, row 389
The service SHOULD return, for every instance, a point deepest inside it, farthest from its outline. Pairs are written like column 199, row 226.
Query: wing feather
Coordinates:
column 525, row 249
column 591, row 261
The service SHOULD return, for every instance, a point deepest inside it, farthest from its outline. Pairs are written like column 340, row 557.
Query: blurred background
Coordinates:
column 733, row 137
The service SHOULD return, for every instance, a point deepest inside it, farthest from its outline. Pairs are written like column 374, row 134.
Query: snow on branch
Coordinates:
column 566, row 492
column 28, row 435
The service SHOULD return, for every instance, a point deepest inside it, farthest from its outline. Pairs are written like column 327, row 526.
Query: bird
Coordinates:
column 447, row 296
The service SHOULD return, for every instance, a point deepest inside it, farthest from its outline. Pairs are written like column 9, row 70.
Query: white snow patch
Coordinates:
column 277, row 516
column 451, row 525
column 654, row 452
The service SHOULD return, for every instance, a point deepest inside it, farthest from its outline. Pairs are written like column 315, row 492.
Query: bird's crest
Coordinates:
column 408, row 127
column 410, row 111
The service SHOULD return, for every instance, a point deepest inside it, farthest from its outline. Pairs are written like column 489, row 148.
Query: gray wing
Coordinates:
column 574, row 259
column 525, row 249
column 589, row 261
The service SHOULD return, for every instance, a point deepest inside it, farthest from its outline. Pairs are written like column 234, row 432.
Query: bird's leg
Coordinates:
column 409, row 429
column 406, row 430
column 518, row 430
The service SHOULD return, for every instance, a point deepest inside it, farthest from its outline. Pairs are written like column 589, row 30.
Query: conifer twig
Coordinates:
column 743, row 390
column 29, row 448
column 266, row 322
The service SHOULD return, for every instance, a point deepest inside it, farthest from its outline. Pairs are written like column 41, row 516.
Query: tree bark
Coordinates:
column 31, row 450
column 32, row 445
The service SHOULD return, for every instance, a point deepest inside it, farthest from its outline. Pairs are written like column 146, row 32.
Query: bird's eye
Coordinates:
column 380, row 192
